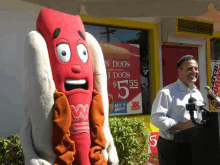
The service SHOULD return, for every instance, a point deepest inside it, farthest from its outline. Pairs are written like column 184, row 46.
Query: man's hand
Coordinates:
column 215, row 103
column 183, row 125
column 187, row 124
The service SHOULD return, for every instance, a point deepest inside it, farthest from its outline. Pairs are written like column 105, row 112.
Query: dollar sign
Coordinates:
column 114, row 84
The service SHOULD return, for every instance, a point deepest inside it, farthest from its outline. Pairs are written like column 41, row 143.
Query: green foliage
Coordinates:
column 10, row 151
column 131, row 139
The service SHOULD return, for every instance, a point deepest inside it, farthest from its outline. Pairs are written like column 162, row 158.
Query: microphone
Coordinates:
column 191, row 106
column 198, row 103
column 212, row 97
column 191, row 100
column 194, row 105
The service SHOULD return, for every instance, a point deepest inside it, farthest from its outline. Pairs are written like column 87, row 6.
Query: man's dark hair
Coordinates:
column 185, row 58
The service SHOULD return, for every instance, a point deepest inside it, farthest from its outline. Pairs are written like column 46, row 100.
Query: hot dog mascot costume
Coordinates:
column 65, row 97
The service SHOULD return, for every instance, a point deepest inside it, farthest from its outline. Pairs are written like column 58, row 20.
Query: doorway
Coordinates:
column 170, row 57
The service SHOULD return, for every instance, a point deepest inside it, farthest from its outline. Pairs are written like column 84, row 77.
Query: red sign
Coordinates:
column 152, row 148
column 123, row 71
column 153, row 142
column 216, row 78
column 135, row 105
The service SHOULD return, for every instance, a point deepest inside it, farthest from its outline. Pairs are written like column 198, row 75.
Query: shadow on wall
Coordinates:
column 11, row 108
column 11, row 76
column 17, row 21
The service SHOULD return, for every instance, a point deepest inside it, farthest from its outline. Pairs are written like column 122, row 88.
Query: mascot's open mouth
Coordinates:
column 76, row 84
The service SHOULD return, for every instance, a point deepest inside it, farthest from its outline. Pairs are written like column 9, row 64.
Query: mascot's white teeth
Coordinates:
column 76, row 82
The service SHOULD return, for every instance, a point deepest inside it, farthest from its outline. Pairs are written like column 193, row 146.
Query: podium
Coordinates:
column 204, row 139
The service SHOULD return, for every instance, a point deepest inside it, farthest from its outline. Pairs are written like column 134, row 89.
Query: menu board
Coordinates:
column 122, row 63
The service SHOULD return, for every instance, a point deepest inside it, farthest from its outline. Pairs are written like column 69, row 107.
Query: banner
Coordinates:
column 122, row 63
column 215, row 70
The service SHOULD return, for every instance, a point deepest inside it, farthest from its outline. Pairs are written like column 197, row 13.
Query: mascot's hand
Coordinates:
column 38, row 162
column 110, row 152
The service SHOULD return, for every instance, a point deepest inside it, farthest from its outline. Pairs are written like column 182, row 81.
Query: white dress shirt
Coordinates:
column 169, row 107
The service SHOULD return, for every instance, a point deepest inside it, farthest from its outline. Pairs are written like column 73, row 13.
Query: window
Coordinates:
column 215, row 49
column 126, row 54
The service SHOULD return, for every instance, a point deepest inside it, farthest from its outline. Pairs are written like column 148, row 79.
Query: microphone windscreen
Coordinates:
column 191, row 100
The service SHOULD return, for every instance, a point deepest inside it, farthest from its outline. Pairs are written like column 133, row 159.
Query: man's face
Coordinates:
column 189, row 72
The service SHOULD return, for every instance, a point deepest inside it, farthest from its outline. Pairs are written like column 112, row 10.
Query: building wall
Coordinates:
column 17, row 19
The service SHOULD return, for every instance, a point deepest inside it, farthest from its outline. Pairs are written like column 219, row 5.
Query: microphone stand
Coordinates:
column 205, row 116
column 191, row 107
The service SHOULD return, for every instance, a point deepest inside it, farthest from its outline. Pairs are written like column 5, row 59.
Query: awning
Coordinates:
column 131, row 8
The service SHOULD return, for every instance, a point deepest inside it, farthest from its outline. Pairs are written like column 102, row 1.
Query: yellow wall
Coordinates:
column 146, row 118
column 208, row 65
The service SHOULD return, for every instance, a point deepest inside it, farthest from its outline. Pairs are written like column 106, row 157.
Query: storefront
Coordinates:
column 139, row 63
column 136, row 54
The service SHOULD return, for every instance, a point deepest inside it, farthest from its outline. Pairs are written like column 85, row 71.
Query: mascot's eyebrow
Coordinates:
column 81, row 34
column 56, row 32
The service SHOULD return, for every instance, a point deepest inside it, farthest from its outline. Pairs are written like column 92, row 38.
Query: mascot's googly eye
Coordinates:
column 82, row 53
column 63, row 52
